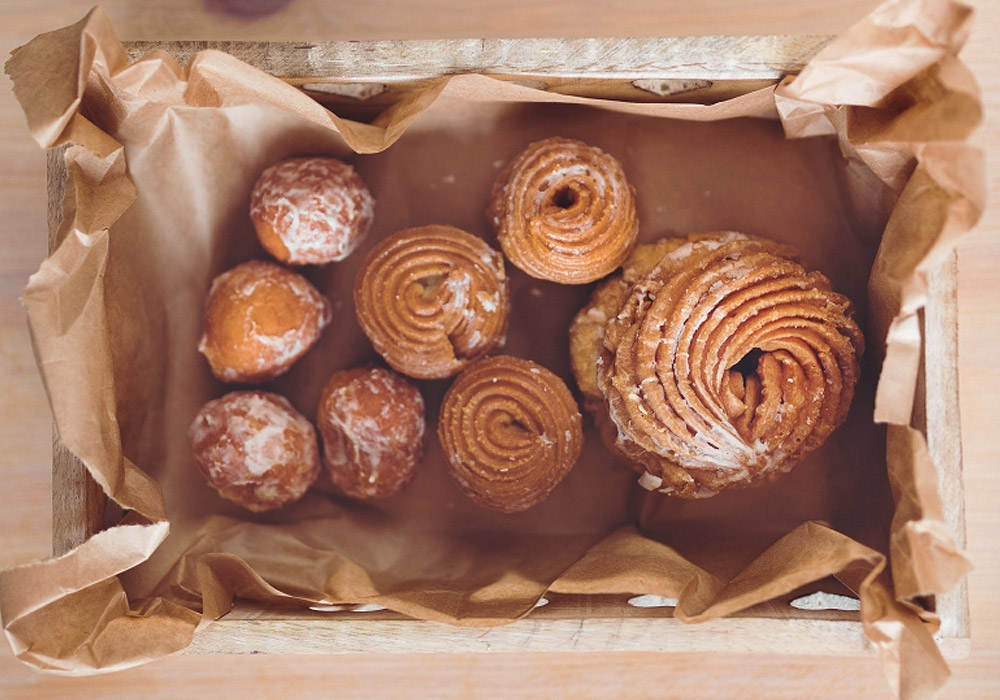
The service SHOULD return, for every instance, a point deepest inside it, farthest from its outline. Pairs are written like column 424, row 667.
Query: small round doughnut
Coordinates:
column 511, row 432
column 260, row 317
column 311, row 210
column 255, row 449
column 371, row 422
column 431, row 299
column 564, row 211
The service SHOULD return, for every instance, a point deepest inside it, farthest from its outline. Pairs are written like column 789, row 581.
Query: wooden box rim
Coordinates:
column 692, row 69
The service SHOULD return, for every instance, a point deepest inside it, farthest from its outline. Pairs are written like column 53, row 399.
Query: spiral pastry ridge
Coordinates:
column 564, row 211
column 725, row 364
column 511, row 431
column 431, row 299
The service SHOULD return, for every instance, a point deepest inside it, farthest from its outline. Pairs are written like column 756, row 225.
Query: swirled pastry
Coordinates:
column 564, row 211
column 255, row 449
column 260, row 318
column 371, row 421
column 586, row 331
column 725, row 364
column 511, row 431
column 431, row 299
column 311, row 210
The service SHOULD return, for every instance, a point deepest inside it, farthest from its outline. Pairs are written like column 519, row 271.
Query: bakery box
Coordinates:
column 753, row 133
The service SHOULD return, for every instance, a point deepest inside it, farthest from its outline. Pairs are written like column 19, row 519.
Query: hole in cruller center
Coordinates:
column 564, row 197
column 430, row 284
column 748, row 363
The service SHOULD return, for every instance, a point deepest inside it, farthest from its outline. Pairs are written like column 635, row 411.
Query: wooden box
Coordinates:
column 360, row 77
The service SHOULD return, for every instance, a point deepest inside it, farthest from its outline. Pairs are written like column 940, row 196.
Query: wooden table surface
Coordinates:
column 25, row 432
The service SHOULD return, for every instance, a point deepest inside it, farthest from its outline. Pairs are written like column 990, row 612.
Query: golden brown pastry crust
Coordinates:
column 511, row 431
column 564, row 211
column 255, row 449
column 586, row 331
column 311, row 210
column 371, row 421
column 586, row 337
column 431, row 299
column 724, row 364
column 260, row 318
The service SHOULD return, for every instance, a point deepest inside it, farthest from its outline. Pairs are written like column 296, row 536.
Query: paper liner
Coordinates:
column 901, row 105
column 161, row 160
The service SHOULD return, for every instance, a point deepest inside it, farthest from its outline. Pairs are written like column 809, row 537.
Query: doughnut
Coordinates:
column 259, row 319
column 564, row 211
column 255, row 449
column 511, row 431
column 310, row 210
column 431, row 299
column 726, row 364
column 586, row 330
column 371, row 424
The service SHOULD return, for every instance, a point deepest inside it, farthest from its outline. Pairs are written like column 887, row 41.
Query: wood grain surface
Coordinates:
column 25, row 421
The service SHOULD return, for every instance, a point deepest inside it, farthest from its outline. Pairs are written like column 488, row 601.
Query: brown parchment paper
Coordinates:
column 860, row 161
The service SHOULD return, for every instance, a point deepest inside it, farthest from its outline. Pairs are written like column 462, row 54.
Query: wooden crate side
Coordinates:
column 575, row 624
column 942, row 425
column 680, row 58
column 78, row 502
column 348, row 74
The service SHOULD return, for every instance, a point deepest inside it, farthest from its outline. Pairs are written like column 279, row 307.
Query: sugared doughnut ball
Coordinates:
column 255, row 449
column 260, row 318
column 371, row 421
column 311, row 210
